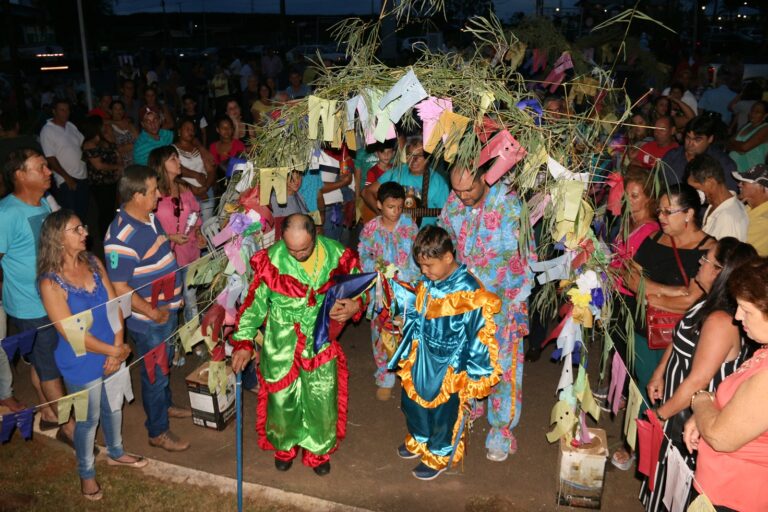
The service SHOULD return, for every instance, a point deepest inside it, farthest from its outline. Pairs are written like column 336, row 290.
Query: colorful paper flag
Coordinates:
column 75, row 328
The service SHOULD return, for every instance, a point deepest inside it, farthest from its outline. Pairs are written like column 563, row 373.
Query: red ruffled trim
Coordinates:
column 241, row 345
column 308, row 365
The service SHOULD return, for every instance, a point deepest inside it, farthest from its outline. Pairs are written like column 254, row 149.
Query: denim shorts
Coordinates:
column 45, row 344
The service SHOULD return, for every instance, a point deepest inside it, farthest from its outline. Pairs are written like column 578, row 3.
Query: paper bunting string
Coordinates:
column 559, row 172
column 505, row 150
column 22, row 420
column 246, row 179
column 357, row 105
column 340, row 130
column 555, row 77
column 197, row 274
column 213, row 321
column 584, row 394
column 565, row 420
column 409, row 90
column 75, row 328
column 429, row 112
column 678, row 484
column 273, row 178
column 79, row 400
column 21, row 342
column 585, row 436
column 158, row 356
column 618, row 378
column 555, row 269
column 634, row 402
column 217, row 377
column 486, row 100
column 118, row 388
column 232, row 250
column 383, row 128
column 531, row 166
column 650, row 434
column 450, row 127
column 701, row 504
column 321, row 110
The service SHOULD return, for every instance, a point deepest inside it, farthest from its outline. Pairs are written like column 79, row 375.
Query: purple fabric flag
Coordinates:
column 618, row 378
column 346, row 287
column 19, row 342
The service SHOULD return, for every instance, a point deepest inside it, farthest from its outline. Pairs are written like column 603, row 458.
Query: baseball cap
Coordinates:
column 756, row 174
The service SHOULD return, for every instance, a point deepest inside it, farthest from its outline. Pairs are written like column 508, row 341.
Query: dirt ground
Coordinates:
column 366, row 471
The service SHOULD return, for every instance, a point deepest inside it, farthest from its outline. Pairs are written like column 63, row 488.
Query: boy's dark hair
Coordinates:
column 705, row 166
column 390, row 189
column 702, row 125
column 432, row 242
column 381, row 146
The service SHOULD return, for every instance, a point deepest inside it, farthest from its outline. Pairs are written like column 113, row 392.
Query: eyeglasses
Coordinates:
column 81, row 229
column 176, row 207
column 669, row 211
column 414, row 156
column 704, row 259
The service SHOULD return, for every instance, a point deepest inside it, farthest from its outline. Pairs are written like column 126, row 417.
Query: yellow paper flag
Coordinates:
column 217, row 377
column 565, row 419
column 196, row 271
column 79, row 400
column 701, row 504
column 634, row 402
column 190, row 334
column 75, row 328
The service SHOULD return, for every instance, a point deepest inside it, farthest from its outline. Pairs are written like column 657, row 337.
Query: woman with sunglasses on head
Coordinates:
column 176, row 206
column 72, row 281
column 707, row 347
column 654, row 269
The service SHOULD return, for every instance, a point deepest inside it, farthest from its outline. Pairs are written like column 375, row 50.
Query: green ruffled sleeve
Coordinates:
column 254, row 313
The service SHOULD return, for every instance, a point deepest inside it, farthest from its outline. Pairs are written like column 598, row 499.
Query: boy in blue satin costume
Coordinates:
column 448, row 355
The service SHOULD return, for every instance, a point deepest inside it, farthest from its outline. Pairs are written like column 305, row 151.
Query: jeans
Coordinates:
column 85, row 431
column 156, row 397
column 6, row 377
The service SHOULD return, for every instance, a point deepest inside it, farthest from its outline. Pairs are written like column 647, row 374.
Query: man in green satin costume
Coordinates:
column 448, row 356
column 302, row 398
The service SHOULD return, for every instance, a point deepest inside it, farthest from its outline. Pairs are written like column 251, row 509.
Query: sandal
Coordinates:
column 95, row 495
column 622, row 459
column 138, row 462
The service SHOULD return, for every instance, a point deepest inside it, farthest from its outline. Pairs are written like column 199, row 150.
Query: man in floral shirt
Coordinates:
column 485, row 223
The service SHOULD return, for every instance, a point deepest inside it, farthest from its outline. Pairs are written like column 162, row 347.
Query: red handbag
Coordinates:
column 660, row 323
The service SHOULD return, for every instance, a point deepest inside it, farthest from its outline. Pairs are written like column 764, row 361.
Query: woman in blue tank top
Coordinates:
column 72, row 281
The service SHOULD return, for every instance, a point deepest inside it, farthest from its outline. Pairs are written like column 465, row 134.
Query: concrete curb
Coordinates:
column 180, row 474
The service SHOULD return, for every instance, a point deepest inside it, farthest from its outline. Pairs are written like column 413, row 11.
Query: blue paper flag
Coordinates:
column 346, row 287
column 22, row 420
column 19, row 342
column 533, row 105
column 233, row 161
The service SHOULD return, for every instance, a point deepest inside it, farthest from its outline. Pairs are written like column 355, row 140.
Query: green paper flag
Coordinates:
column 79, row 400
column 196, row 271
column 584, row 394
column 565, row 419
column 75, row 328
column 701, row 504
column 634, row 402
column 190, row 334
column 217, row 377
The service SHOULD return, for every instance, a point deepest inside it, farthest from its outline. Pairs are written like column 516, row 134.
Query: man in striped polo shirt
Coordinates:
column 138, row 252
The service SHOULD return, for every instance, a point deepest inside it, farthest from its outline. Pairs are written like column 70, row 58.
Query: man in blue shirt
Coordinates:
column 151, row 135
column 411, row 176
column 23, row 212
column 138, row 253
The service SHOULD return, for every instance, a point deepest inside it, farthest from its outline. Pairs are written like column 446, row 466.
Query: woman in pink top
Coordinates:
column 176, row 205
column 730, row 428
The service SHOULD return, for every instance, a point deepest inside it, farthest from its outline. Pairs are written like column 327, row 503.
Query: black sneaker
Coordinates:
column 424, row 472
column 283, row 465
column 323, row 469
column 403, row 452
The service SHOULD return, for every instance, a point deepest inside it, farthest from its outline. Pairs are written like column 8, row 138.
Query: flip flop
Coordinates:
column 95, row 495
column 139, row 463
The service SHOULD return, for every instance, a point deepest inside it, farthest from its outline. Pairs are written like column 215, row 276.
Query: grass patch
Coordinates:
column 41, row 475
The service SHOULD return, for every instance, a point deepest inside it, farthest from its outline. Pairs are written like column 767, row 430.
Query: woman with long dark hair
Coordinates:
column 72, row 281
column 706, row 348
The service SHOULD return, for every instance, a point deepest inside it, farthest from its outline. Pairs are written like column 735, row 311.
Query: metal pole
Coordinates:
column 239, row 420
column 88, row 97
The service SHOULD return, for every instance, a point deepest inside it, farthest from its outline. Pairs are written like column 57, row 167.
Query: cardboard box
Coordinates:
column 582, row 472
column 212, row 411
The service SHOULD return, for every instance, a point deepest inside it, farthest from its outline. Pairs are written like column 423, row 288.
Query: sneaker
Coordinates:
column 323, row 469
column 404, row 453
column 424, row 472
column 179, row 412
column 169, row 441
column 496, row 455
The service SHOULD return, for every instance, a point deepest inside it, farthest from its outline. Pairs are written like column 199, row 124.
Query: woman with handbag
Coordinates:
column 660, row 268
column 707, row 346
